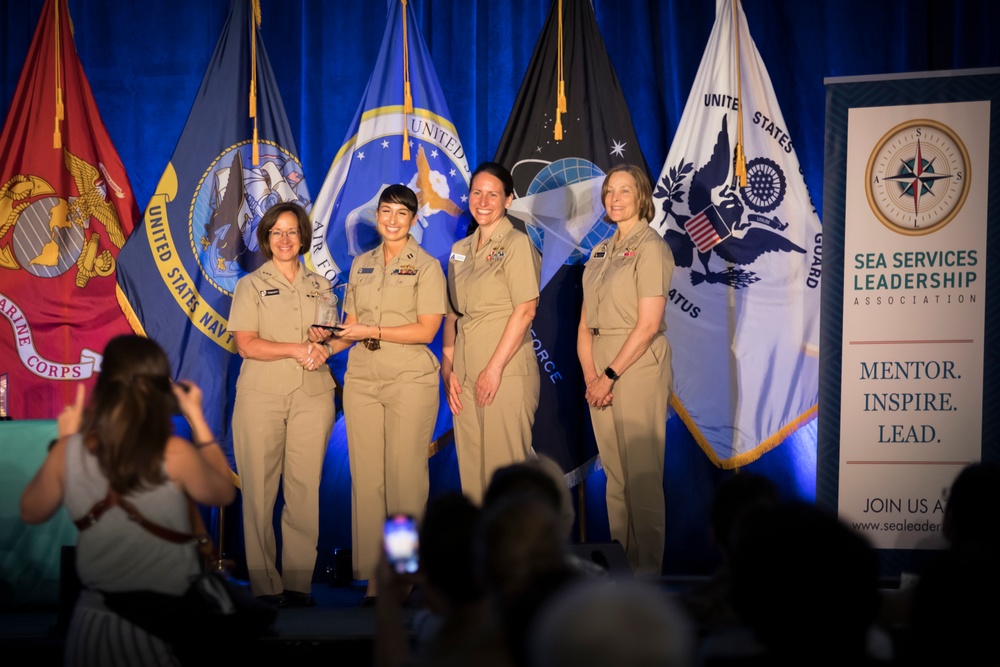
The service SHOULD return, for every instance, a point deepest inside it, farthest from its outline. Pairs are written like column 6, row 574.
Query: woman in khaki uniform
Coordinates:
column 284, row 407
column 625, row 357
column 487, row 361
column 395, row 304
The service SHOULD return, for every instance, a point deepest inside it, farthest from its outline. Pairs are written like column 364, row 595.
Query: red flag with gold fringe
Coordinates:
column 66, row 207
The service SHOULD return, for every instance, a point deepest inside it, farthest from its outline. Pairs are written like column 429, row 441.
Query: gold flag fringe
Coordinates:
column 130, row 316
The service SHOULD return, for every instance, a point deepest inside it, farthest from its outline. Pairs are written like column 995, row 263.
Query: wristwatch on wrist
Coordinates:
column 610, row 372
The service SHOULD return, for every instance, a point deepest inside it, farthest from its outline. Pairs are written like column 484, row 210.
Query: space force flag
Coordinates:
column 743, row 314
column 66, row 208
column 568, row 127
column 235, row 159
column 401, row 133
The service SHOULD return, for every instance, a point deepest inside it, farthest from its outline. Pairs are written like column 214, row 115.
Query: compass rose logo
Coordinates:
column 918, row 177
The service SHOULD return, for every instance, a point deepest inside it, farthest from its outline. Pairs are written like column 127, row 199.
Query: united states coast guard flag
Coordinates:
column 235, row 159
column 743, row 313
column 567, row 129
column 401, row 133
column 66, row 207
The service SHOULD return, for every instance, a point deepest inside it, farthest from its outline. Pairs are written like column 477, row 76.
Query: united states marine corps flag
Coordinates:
column 66, row 208
column 743, row 313
column 569, row 126
column 235, row 159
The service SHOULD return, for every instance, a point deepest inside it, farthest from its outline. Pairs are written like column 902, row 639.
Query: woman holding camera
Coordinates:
column 122, row 441
column 393, row 309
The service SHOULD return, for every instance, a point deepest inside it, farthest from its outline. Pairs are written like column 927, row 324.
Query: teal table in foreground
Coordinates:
column 29, row 555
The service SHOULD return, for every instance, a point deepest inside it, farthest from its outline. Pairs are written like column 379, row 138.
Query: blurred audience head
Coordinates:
column 803, row 581
column 973, row 510
column 518, row 541
column 605, row 623
column 736, row 497
column 446, row 548
column 540, row 476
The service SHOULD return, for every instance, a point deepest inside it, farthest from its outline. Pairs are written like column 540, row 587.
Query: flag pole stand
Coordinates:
column 222, row 564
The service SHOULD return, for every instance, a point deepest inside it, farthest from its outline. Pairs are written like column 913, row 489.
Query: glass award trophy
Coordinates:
column 328, row 311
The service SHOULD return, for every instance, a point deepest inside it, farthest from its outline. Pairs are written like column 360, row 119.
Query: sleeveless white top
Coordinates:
column 116, row 553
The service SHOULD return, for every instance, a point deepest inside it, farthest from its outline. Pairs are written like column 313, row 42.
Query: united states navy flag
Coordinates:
column 401, row 133
column 235, row 158
column 743, row 317
column 558, row 162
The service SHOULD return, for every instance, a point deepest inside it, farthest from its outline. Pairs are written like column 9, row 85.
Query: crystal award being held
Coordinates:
column 327, row 311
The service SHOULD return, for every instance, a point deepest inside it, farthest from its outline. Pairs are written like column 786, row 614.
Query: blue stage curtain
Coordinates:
column 145, row 61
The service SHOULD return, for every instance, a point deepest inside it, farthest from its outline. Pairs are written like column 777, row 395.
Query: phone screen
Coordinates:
column 402, row 543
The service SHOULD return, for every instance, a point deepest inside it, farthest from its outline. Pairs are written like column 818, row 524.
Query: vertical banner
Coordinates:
column 558, row 152
column 912, row 200
column 401, row 133
column 743, row 310
column 66, row 208
column 235, row 159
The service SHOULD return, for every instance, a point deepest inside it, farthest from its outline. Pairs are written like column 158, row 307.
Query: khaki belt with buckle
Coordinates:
column 597, row 331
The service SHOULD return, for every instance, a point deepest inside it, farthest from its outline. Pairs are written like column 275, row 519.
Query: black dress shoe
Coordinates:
column 296, row 599
column 278, row 600
column 368, row 601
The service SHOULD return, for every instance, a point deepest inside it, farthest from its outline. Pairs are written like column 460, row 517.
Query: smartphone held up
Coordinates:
column 402, row 543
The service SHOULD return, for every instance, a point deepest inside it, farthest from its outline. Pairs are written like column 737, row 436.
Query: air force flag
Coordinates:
column 400, row 134
column 743, row 316
column 394, row 138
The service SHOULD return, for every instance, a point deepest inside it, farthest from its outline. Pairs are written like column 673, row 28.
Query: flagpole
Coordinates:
column 254, row 25
column 561, row 90
column 60, row 111
column 407, row 96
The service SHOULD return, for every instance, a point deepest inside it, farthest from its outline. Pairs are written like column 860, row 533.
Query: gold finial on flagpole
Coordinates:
column 739, row 159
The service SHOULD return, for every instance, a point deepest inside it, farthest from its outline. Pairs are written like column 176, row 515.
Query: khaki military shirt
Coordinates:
column 484, row 287
column 615, row 280
column 412, row 284
column 277, row 310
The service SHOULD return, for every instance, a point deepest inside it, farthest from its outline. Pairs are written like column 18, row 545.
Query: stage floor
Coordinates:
column 336, row 631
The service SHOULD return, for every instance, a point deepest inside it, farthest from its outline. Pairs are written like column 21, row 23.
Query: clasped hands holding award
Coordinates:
column 330, row 321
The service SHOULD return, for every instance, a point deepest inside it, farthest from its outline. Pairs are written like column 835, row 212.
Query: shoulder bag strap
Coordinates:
column 113, row 499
